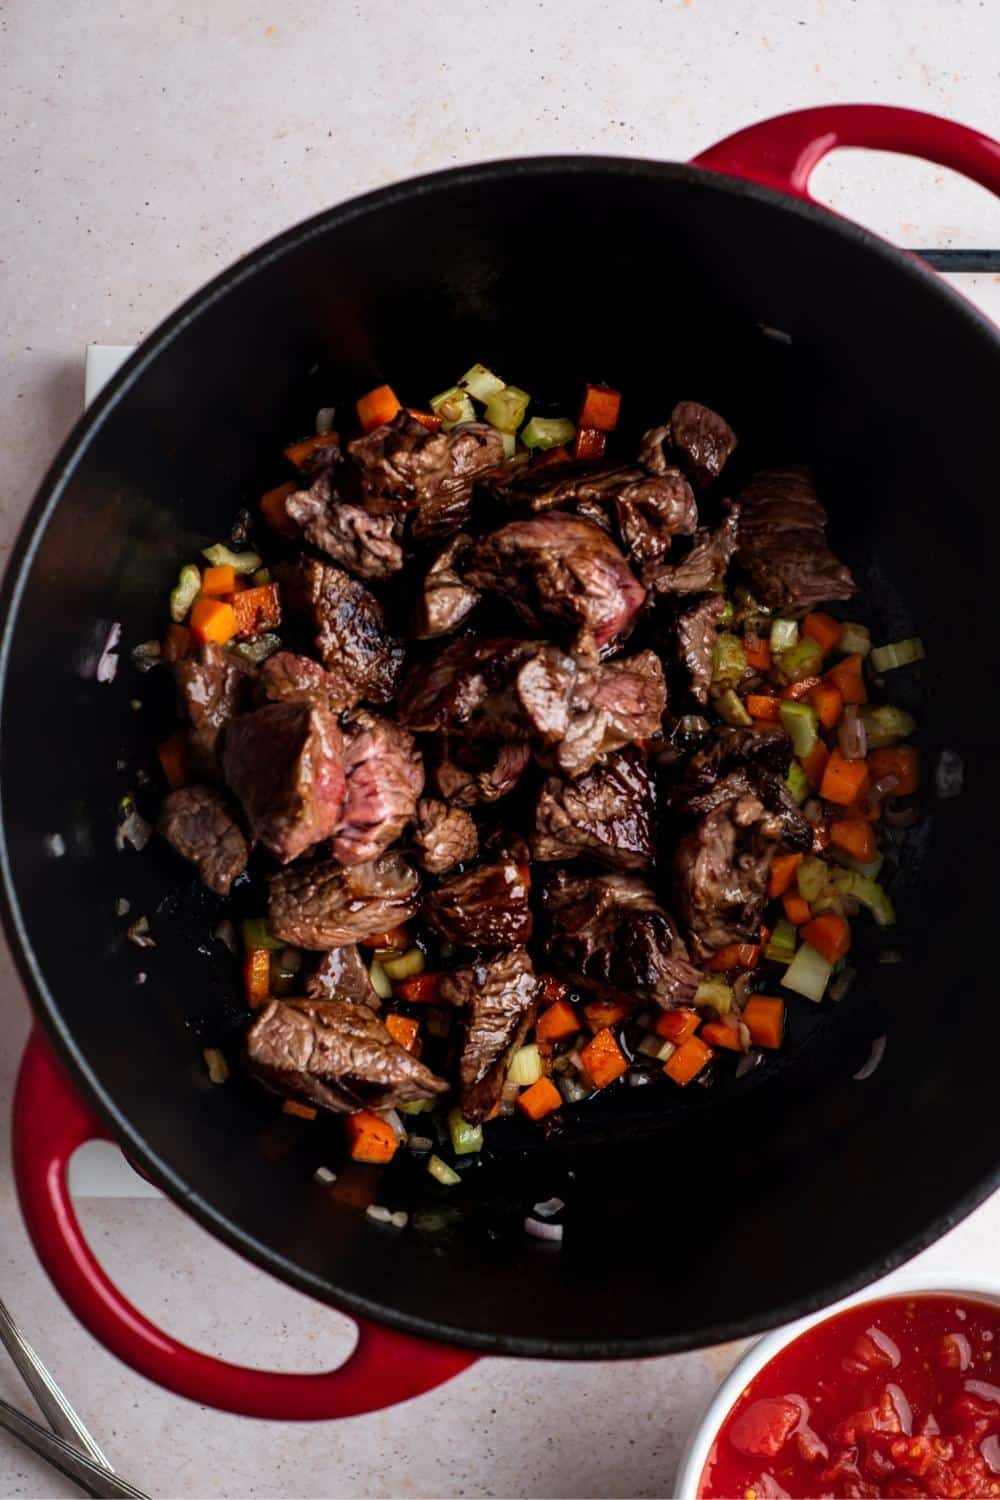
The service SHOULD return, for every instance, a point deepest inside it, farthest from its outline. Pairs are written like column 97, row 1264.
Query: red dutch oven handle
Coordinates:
column 50, row 1122
column 783, row 152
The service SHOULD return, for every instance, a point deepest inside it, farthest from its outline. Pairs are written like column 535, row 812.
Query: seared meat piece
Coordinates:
column 287, row 678
column 499, row 997
column 480, row 772
column 363, row 543
column 444, row 836
column 285, row 762
column 612, row 706
column 609, row 934
column 477, row 688
column 212, row 686
column 608, row 813
column 323, row 905
column 545, row 689
column 484, row 908
column 705, row 565
column 475, row 449
column 196, row 822
column 742, row 762
column 697, row 438
column 762, row 744
column 445, row 600
column 352, row 636
column 558, row 568
column 403, row 467
column 650, row 512
column 560, row 486
column 385, row 776
column 342, row 974
column 335, row 1054
column 782, row 543
column 694, row 635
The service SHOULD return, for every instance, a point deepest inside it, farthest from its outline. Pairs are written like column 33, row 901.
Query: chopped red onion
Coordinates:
column 325, row 418
column 851, row 736
column 391, row 1117
column 749, row 1061
column 540, row 1230
column 874, row 1058
column 548, row 1209
column 903, row 1408
column 964, row 1348
column 982, row 1388
column 886, row 1344
column 419, row 1143
column 990, row 1449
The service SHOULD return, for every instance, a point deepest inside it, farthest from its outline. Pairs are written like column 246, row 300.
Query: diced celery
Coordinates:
column 728, row 614
column 808, row 973
column 804, row 659
column 850, row 863
column 728, row 660
column 797, row 783
column 257, row 934
column 258, row 649
column 506, row 408
column 886, row 724
column 410, row 963
column 481, row 383
column 784, row 635
column 525, row 1066
column 465, row 1138
column 417, row 1107
column 811, row 876
column 547, row 432
column 856, row 639
column 453, row 406
column 221, row 556
column 381, row 983
column 782, row 945
column 184, row 593
column 731, row 708
column 509, row 441
column 868, row 892
column 442, row 1172
column 715, row 992
column 898, row 654
column 801, row 723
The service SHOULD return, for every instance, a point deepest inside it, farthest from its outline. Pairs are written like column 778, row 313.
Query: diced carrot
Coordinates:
column 370, row 1138
column 855, row 837
column 428, row 419
column 735, row 956
column 377, row 407
column 718, row 1034
column 257, row 977
column 783, row 869
column 553, row 989
column 557, row 1022
column 796, row 910
column 830, row 935
column 798, row 690
column 600, row 407
column 256, row 610
column 524, row 875
column 297, row 453
column 175, row 760
column 901, row 761
column 540, row 1099
column 176, row 643
column 590, row 443
column 764, row 1018
column 762, row 706
column 821, row 837
column 843, row 780
column 603, row 1013
column 603, row 1059
column 677, row 1025
column 543, row 458
column 687, row 1062
column 826, row 700
column 867, row 808
column 215, row 581
column 758, row 654
column 213, row 620
column 419, row 988
column 847, row 676
column 824, row 630
column 814, row 764
column 272, row 508
column 403, row 1029
column 303, row 1111
column 395, row 937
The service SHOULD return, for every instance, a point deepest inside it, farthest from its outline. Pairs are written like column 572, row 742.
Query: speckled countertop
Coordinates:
column 146, row 145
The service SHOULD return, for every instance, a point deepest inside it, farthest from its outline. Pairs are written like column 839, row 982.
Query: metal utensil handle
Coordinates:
column 59, row 1414
column 92, row 1478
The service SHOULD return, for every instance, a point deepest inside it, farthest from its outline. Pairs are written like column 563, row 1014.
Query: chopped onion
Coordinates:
column 140, row 935
column 391, row 1117
column 442, row 1173
column 851, row 736
column 525, row 1066
column 145, row 656
column 949, row 774
column 218, row 1068
column 122, row 907
column 107, row 665
column 378, row 1213
column 381, row 983
column 549, row 1208
column 325, row 418
column 982, row 1388
column 419, row 1143
column 749, row 1061
column 903, row 1408
column 888, row 1345
column 874, row 1058
column 55, row 845
column 897, row 654
column 571, row 1090
column 132, row 829
column 324, row 1176
column 990, row 1449
column 842, row 982
column 542, row 1231
column 141, row 977
column 399, row 1219
column 655, row 1046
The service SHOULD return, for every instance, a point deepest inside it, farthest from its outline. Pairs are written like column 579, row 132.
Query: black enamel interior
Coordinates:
column 742, row 1207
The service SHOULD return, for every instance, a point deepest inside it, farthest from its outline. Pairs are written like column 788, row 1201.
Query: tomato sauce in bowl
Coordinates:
column 896, row 1398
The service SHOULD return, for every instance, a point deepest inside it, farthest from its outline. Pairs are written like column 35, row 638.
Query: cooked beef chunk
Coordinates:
column 470, row 774
column 444, row 836
column 403, row 467
column 546, row 686
column 694, row 636
column 655, row 450
column 445, row 600
column 499, row 997
column 612, row 705
column 364, row 543
column 728, row 749
column 352, row 635
column 287, row 678
column 335, row 1054
column 782, row 543
column 342, row 974
column 285, row 762
column 323, row 905
column 486, row 907
column 744, row 762
column 705, row 565
column 700, row 440
column 196, row 822
column 650, row 512
column 474, row 688
column 212, row 686
column 562, row 570
column 607, row 813
column 385, row 776
column 475, row 449
column 609, row 934
column 561, row 486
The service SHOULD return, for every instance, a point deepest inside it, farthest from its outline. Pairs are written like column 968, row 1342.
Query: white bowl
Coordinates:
column 761, row 1353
